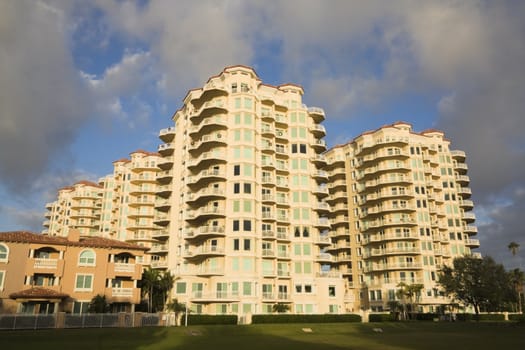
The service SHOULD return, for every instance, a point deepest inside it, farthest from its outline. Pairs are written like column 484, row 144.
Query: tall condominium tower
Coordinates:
column 244, row 197
column 76, row 206
column 400, row 210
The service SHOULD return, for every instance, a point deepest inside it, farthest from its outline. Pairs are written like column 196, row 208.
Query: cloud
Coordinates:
column 43, row 101
column 192, row 40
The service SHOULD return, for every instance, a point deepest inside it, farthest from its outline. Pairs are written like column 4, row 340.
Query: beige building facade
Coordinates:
column 247, row 208
column 49, row 274
column 404, row 212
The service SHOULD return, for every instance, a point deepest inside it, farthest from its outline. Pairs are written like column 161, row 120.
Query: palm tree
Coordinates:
column 177, row 308
column 98, row 304
column 165, row 285
column 280, row 307
column 517, row 277
column 150, row 279
column 514, row 248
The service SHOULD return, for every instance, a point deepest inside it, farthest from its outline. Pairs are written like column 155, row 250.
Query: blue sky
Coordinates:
column 86, row 83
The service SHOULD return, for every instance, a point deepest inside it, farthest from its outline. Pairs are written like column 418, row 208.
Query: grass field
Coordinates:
column 335, row 336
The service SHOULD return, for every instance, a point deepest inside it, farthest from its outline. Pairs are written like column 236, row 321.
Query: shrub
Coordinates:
column 212, row 319
column 293, row 318
column 425, row 316
column 520, row 318
column 491, row 317
column 381, row 318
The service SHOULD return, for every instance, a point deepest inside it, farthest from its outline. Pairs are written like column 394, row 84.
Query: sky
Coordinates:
column 84, row 83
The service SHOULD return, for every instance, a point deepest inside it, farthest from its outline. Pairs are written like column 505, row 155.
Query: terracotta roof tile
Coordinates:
column 38, row 292
column 94, row 242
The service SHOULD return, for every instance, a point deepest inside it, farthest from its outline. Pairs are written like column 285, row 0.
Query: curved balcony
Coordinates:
column 165, row 163
column 458, row 155
column 339, row 233
column 218, row 122
column 267, row 164
column 281, row 120
column 267, row 116
column 338, row 197
column 267, row 131
column 469, row 217
column 206, row 194
column 321, row 191
column 268, row 235
column 160, row 234
column 268, row 181
column 205, row 213
column 388, row 195
column 318, row 145
column 392, row 266
column 207, row 142
column 206, row 159
column 376, row 238
column 465, row 192
column 470, row 229
column 162, row 219
column 281, row 135
column 342, row 245
column 316, row 113
column 322, row 240
column 318, row 130
column 386, row 181
column 337, row 184
column 162, row 204
column 267, row 147
column 141, row 213
column 340, row 207
column 380, row 252
column 167, row 134
column 462, row 179
column 143, row 189
column 322, row 223
column 159, row 249
column 205, row 231
column 165, row 177
column 268, row 198
column 207, row 176
column 164, row 191
column 319, row 160
column 166, row 149
column 473, row 243
column 210, row 90
column 210, row 108
column 204, row 252
column 320, row 175
column 324, row 258
column 466, row 204
column 322, row 207
column 461, row 168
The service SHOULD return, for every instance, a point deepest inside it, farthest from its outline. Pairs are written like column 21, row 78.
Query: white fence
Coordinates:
column 63, row 320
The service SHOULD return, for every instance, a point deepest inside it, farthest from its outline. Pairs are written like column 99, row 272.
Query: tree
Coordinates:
column 409, row 295
column 176, row 307
column 481, row 283
column 517, row 277
column 514, row 248
column 280, row 307
column 98, row 304
column 150, row 279
column 165, row 285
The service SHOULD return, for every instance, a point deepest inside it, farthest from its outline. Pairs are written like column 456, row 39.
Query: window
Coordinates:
column 180, row 288
column 4, row 253
column 331, row 291
column 247, row 244
column 2, row 277
column 87, row 258
column 84, row 283
column 236, row 225
column 236, row 170
column 236, row 188
column 247, row 188
column 247, row 225
column 80, row 307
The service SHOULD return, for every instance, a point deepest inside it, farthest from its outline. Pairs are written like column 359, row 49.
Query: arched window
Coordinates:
column 87, row 257
column 4, row 253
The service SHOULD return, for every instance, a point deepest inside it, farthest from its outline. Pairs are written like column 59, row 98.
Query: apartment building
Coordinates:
column 245, row 206
column 246, row 213
column 49, row 274
column 120, row 206
column 400, row 210
column 77, row 206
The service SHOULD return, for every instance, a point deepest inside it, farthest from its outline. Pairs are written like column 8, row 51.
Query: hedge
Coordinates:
column 212, row 319
column 293, row 318
column 517, row 317
column 381, row 318
column 482, row 317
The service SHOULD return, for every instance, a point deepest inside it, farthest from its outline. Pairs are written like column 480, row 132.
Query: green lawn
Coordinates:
column 420, row 335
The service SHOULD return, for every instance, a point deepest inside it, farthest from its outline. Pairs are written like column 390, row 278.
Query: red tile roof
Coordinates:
column 93, row 242
column 38, row 293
